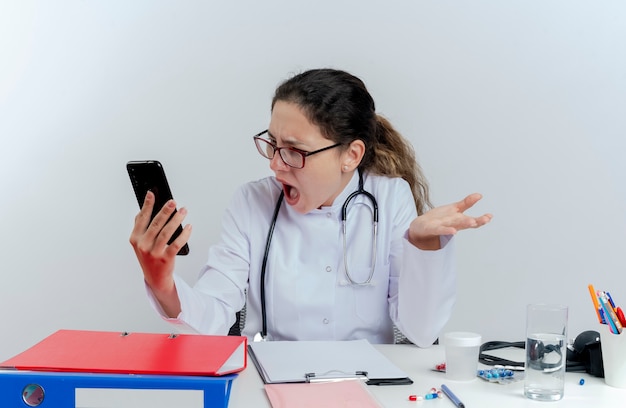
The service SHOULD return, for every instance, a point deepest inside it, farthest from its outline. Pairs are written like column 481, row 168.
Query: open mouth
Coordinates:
column 291, row 194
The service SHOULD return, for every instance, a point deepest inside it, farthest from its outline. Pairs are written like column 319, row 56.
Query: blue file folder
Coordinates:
column 58, row 389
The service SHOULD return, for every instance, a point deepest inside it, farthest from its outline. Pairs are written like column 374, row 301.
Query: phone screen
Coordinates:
column 149, row 176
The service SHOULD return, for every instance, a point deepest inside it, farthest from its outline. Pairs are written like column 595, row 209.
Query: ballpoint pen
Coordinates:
column 608, row 296
column 609, row 314
column 455, row 400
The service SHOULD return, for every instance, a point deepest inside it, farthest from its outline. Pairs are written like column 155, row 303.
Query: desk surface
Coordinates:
column 418, row 363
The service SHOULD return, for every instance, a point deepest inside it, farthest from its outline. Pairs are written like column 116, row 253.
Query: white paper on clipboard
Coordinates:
column 291, row 361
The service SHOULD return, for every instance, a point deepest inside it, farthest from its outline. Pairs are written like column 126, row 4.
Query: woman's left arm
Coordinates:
column 427, row 284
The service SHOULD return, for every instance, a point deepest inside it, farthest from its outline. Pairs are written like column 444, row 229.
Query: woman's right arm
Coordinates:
column 156, row 257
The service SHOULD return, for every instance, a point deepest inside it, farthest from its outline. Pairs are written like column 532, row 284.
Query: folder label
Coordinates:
column 127, row 398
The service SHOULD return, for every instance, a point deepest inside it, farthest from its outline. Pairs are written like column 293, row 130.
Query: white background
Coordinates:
column 520, row 100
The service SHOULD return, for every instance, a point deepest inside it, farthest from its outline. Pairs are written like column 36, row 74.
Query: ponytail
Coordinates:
column 393, row 156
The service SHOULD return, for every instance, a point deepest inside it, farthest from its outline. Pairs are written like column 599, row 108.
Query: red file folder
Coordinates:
column 134, row 353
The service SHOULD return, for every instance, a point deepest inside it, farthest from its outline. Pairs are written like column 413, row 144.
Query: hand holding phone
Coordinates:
column 149, row 176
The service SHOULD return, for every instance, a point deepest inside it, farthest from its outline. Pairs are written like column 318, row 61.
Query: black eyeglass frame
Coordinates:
column 303, row 153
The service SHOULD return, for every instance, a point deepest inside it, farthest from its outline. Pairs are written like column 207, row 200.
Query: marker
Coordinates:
column 455, row 400
column 594, row 299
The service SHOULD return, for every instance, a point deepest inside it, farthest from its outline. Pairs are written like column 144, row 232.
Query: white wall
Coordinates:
column 520, row 100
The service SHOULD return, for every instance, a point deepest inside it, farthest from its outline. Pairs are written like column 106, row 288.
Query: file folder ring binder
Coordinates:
column 133, row 353
column 58, row 389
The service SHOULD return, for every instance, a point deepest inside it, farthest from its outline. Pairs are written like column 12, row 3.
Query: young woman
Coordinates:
column 339, row 244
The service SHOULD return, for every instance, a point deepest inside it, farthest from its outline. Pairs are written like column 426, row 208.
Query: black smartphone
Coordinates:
column 148, row 175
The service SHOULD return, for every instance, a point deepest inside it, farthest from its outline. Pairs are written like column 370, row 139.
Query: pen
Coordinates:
column 455, row 400
column 608, row 296
column 609, row 314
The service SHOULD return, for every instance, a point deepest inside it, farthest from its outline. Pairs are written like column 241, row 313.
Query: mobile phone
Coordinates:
column 148, row 175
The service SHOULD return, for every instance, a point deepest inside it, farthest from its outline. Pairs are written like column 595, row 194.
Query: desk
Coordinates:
column 248, row 389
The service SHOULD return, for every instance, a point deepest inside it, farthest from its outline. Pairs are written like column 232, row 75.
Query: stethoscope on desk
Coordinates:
column 344, row 218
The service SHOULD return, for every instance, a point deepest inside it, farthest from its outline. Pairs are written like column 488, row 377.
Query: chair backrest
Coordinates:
column 240, row 321
column 399, row 337
column 237, row 328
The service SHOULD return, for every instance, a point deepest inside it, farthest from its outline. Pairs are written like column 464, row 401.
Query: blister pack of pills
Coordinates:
column 500, row 375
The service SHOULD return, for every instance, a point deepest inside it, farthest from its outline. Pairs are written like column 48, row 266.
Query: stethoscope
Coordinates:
column 344, row 218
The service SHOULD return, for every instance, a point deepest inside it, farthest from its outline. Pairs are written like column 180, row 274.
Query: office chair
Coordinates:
column 240, row 322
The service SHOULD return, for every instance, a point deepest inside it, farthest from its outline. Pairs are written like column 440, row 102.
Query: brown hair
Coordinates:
column 340, row 105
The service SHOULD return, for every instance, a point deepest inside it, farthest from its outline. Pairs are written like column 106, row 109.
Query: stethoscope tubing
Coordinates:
column 344, row 216
column 270, row 233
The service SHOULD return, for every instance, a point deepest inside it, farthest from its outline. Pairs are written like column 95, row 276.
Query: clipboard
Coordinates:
column 310, row 361
column 134, row 353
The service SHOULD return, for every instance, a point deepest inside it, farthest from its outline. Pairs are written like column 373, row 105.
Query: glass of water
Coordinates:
column 546, row 354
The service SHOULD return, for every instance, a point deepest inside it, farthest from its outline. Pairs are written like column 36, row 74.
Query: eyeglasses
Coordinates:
column 291, row 156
